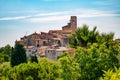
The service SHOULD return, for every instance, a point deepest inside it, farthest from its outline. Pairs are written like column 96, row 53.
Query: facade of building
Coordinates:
column 51, row 54
column 54, row 54
column 30, row 50
column 53, row 40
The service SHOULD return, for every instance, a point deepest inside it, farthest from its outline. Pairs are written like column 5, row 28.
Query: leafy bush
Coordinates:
column 44, row 70
column 94, row 59
column 111, row 74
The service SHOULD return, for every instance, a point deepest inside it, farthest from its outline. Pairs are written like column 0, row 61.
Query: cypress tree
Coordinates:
column 18, row 55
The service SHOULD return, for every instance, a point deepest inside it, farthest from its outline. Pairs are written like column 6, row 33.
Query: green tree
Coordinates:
column 105, row 38
column 69, row 68
column 5, row 53
column 7, row 50
column 94, row 59
column 83, row 36
column 18, row 55
column 1, row 49
column 34, row 59
column 4, row 58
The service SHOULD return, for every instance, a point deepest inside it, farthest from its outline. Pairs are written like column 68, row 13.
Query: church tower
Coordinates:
column 73, row 23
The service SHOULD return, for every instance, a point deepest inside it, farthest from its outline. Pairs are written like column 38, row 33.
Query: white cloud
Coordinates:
column 52, row 13
column 80, row 13
column 36, row 15
column 14, row 18
column 49, row 18
column 97, row 15
column 56, row 16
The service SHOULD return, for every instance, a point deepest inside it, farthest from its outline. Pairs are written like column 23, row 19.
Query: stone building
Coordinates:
column 72, row 25
column 30, row 50
column 51, row 54
column 51, row 40
column 54, row 54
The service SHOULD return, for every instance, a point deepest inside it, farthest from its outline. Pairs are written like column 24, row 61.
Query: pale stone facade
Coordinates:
column 54, row 54
column 30, row 50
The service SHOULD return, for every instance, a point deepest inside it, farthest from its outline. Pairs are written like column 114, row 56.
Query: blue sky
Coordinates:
column 24, row 17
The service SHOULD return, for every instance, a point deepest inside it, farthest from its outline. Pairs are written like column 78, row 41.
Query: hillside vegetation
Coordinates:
column 96, row 58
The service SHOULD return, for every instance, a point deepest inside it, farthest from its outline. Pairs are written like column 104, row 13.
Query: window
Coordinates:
column 29, row 50
column 38, row 45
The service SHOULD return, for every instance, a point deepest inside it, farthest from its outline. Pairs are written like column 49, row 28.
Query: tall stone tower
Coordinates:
column 73, row 23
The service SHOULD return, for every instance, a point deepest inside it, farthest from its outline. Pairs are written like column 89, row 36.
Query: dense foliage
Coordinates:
column 34, row 59
column 18, row 55
column 5, row 53
column 44, row 70
column 95, row 58
column 111, row 74
column 83, row 37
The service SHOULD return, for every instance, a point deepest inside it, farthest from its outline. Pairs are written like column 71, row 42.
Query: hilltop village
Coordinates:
column 51, row 44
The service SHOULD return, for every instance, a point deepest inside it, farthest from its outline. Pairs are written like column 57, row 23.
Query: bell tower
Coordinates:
column 73, row 23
